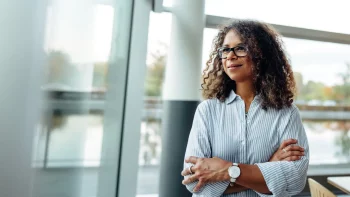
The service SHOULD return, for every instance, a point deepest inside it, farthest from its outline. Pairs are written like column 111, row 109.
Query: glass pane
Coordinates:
column 69, row 140
column 150, row 142
column 325, row 16
column 322, row 73
column 81, row 135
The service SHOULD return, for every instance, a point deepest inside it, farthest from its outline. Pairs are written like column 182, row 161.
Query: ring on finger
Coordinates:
column 189, row 169
column 284, row 150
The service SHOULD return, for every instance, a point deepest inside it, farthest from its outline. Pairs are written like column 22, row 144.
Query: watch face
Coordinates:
column 234, row 171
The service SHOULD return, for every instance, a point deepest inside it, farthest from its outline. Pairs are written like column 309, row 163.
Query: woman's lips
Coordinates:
column 234, row 66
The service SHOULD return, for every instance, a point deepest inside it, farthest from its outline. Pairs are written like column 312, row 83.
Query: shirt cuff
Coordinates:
column 274, row 178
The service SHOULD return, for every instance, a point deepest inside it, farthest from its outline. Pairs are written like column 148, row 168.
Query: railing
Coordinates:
column 77, row 103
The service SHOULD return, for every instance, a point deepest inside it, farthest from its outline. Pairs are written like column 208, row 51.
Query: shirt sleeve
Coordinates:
column 198, row 145
column 288, row 178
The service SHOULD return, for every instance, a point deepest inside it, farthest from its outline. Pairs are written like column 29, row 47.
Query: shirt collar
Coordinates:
column 231, row 97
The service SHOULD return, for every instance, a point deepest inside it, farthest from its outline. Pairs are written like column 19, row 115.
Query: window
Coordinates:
column 72, row 136
column 322, row 74
column 151, row 126
column 324, row 16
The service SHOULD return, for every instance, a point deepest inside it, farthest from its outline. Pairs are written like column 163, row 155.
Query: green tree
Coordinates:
column 342, row 92
column 155, row 74
column 314, row 90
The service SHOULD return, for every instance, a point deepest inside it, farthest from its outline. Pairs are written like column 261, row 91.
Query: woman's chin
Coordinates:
column 237, row 79
column 234, row 78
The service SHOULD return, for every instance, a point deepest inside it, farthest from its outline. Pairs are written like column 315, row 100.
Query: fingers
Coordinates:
column 199, row 185
column 288, row 151
column 188, row 171
column 189, row 180
column 191, row 159
column 294, row 148
column 192, row 179
column 293, row 153
column 288, row 142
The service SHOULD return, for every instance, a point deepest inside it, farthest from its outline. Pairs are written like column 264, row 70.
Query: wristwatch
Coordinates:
column 234, row 171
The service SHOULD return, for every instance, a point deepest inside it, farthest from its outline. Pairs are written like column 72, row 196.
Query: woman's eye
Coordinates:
column 226, row 50
column 240, row 49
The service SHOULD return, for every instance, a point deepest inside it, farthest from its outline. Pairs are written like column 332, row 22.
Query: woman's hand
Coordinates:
column 206, row 170
column 288, row 151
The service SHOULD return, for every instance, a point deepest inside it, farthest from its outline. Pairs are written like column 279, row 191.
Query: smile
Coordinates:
column 234, row 66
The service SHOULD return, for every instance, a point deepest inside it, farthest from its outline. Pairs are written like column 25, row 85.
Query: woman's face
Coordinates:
column 237, row 68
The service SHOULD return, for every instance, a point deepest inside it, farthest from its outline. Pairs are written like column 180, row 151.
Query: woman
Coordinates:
column 240, row 141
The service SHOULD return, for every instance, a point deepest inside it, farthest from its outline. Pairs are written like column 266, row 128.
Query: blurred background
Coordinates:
column 92, row 85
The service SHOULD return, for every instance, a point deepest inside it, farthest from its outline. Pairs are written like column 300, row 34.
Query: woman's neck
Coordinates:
column 246, row 91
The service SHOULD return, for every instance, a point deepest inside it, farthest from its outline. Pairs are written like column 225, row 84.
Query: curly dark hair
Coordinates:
column 272, row 74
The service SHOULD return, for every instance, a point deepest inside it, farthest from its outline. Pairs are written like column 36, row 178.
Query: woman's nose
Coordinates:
column 231, row 55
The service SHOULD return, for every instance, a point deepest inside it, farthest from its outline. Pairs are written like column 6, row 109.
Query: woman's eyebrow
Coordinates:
column 226, row 45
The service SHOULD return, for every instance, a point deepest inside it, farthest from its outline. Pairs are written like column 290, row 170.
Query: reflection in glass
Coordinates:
column 68, row 139
column 329, row 141
column 81, row 136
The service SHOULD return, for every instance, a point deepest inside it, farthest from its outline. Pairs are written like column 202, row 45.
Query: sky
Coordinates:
column 84, row 31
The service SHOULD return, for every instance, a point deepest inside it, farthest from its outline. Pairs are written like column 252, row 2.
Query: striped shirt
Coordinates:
column 222, row 129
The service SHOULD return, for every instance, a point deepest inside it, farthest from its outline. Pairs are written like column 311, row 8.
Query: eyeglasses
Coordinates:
column 239, row 51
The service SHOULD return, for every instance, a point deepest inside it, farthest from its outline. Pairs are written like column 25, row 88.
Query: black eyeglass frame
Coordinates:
column 219, row 51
